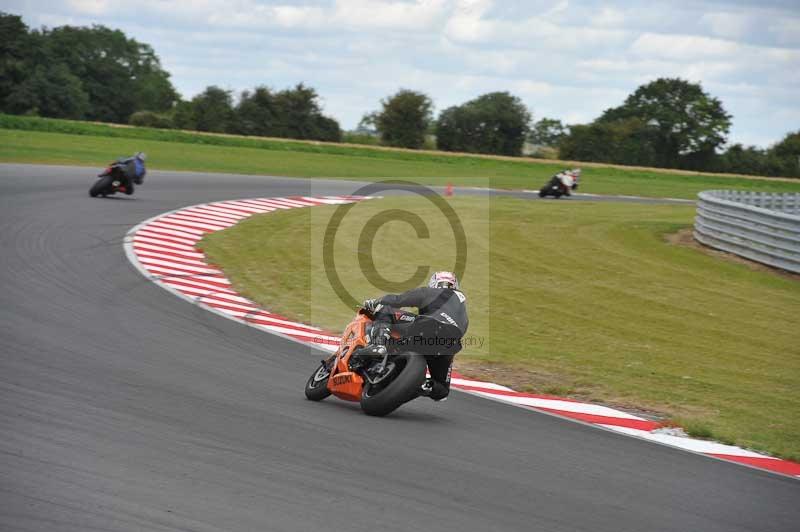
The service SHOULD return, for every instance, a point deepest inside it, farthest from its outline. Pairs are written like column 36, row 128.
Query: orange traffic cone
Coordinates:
column 448, row 191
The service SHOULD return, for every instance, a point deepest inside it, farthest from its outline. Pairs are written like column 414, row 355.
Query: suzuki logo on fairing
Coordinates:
column 342, row 379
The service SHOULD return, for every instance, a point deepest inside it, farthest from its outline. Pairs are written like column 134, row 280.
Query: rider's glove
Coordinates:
column 372, row 306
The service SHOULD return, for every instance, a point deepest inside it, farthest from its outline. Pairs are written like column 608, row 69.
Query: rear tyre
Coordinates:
column 542, row 193
column 101, row 187
column 383, row 400
column 317, row 384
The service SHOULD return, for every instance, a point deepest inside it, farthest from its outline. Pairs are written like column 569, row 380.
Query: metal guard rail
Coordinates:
column 760, row 226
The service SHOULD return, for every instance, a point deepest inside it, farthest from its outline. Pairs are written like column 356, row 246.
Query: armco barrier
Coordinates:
column 761, row 226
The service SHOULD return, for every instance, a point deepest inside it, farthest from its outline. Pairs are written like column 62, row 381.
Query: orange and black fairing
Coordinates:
column 343, row 383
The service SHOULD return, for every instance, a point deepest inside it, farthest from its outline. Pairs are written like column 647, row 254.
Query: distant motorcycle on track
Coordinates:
column 561, row 184
column 120, row 176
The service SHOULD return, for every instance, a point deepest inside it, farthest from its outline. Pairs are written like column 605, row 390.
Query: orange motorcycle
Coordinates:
column 379, row 383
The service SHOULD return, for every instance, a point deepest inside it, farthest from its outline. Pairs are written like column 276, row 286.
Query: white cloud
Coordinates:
column 90, row 7
column 414, row 16
column 559, row 8
column 786, row 30
column 567, row 59
column 293, row 16
column 728, row 25
column 681, row 47
column 467, row 22
column 609, row 17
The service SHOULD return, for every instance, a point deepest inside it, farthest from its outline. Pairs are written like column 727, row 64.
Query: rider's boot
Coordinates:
column 434, row 390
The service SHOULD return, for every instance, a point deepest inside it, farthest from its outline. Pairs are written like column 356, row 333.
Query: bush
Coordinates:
column 545, row 152
column 151, row 119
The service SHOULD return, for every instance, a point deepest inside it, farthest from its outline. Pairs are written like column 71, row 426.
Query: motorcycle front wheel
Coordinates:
column 383, row 399
column 317, row 384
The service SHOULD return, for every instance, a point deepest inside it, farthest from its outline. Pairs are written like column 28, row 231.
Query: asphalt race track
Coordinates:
column 123, row 407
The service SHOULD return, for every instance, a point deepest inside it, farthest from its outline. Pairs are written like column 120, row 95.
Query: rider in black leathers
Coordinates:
column 435, row 332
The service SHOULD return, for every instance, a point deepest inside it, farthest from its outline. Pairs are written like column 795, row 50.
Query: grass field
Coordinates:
column 587, row 300
column 65, row 142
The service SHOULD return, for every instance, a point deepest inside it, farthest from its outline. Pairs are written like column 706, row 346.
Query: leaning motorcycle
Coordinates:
column 556, row 188
column 379, row 383
column 110, row 181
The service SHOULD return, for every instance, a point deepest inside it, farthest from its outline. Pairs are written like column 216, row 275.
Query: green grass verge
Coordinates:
column 39, row 140
column 585, row 299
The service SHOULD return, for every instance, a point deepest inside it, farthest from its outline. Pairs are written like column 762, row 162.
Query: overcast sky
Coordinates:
column 567, row 59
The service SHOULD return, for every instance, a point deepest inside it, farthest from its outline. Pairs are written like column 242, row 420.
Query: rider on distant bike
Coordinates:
column 133, row 170
column 568, row 179
column 435, row 332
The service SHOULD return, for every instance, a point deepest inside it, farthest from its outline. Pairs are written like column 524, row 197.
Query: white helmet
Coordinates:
column 443, row 280
column 141, row 155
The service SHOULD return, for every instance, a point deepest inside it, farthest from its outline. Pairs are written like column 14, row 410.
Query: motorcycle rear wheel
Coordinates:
column 101, row 187
column 383, row 400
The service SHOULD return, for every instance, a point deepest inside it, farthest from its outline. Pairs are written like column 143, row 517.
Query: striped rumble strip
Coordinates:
column 164, row 249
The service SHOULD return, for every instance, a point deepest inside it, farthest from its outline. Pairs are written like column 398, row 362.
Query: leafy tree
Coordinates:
column 458, row 129
column 782, row 159
column 114, row 74
column 300, row 116
column 15, row 53
column 328, row 129
column 118, row 75
column 95, row 55
column 291, row 113
column 689, row 124
column 628, row 141
column 212, row 110
column 368, row 124
column 788, row 147
column 256, row 113
column 547, row 132
column 738, row 159
column 49, row 90
column 495, row 123
column 182, row 116
column 153, row 89
column 787, row 155
column 404, row 119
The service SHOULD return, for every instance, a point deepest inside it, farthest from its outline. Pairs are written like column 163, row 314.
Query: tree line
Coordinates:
column 672, row 123
column 668, row 123
column 95, row 73
column 101, row 74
